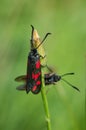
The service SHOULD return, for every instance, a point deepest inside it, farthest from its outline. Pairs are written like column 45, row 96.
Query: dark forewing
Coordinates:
column 21, row 87
column 21, row 78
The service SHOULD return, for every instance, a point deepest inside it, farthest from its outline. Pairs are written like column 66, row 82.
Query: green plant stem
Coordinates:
column 45, row 103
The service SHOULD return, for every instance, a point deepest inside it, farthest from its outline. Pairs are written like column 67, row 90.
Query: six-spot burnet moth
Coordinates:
column 33, row 77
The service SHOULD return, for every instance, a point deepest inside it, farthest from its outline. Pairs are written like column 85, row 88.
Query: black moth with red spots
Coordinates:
column 33, row 82
column 33, row 78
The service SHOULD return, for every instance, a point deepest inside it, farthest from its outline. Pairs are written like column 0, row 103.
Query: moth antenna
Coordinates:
column 32, row 31
column 67, row 74
column 70, row 84
column 43, row 40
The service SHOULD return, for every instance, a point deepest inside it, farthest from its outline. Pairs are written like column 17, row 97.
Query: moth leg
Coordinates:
column 42, row 56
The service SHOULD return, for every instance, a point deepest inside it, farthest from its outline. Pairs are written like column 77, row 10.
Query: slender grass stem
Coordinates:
column 45, row 103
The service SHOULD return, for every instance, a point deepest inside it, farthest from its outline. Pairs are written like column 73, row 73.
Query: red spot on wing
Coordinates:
column 37, row 64
column 34, row 88
column 38, row 82
column 35, row 76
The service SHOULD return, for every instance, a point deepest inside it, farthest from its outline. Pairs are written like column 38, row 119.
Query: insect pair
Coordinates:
column 33, row 78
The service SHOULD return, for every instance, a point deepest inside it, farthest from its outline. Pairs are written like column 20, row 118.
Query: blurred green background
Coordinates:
column 66, row 52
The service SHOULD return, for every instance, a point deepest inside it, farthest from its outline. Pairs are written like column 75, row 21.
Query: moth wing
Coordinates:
column 21, row 78
column 21, row 87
